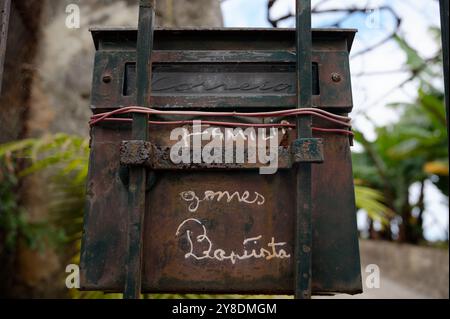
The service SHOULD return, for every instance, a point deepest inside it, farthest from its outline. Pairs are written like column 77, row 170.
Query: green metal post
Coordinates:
column 137, row 183
column 444, row 6
column 303, row 234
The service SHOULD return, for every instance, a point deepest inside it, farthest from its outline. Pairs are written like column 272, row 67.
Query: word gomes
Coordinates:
column 201, row 247
column 233, row 146
column 246, row 198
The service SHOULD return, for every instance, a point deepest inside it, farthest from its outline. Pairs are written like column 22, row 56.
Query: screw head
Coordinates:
column 107, row 78
column 336, row 77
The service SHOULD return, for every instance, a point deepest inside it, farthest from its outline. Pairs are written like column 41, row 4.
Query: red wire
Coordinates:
column 333, row 130
column 138, row 109
column 191, row 122
column 234, row 124
column 307, row 111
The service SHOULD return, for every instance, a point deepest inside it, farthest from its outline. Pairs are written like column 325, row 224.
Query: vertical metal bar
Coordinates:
column 137, row 183
column 303, row 235
column 444, row 4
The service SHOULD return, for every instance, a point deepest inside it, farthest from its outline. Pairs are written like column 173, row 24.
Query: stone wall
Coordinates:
column 421, row 269
column 65, row 57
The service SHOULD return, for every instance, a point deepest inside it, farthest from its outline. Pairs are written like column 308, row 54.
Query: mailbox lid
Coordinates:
column 119, row 38
column 222, row 68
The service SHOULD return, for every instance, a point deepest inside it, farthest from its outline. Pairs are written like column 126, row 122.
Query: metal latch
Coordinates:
column 142, row 153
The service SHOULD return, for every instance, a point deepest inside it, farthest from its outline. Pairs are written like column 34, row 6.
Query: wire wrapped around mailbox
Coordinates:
column 340, row 120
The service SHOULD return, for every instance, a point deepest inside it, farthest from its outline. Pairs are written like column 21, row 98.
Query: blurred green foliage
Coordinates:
column 14, row 225
column 412, row 150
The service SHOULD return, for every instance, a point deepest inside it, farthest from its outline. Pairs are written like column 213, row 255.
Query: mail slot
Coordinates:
column 223, row 229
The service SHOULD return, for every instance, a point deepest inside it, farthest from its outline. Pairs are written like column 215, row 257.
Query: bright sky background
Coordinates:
column 371, row 92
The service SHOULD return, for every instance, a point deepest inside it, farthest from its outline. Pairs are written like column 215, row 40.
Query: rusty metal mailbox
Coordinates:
column 220, row 229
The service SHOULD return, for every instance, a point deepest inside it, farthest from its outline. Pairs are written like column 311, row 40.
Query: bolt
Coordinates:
column 336, row 77
column 107, row 79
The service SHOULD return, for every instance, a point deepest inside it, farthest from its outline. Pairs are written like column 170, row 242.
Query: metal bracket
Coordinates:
column 136, row 153
column 309, row 150
column 141, row 153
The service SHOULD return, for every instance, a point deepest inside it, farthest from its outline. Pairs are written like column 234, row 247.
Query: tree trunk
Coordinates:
column 19, row 72
column 411, row 228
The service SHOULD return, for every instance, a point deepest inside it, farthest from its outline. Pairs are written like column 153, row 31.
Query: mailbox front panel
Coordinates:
column 219, row 231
